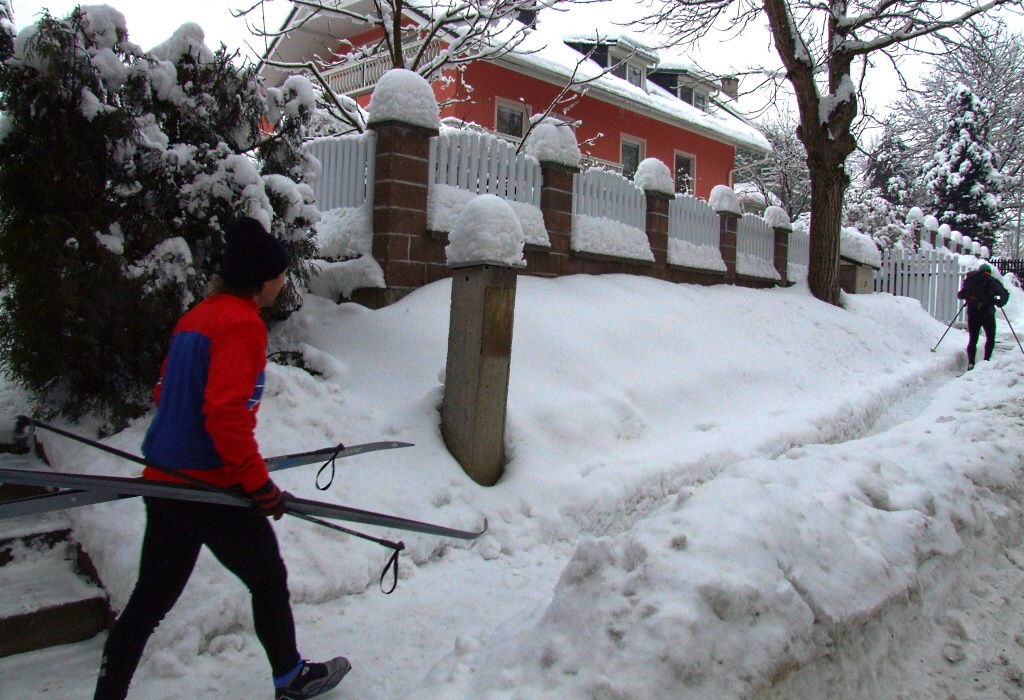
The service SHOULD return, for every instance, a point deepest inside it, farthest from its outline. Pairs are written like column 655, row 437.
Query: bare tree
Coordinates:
column 783, row 172
column 425, row 37
column 827, row 48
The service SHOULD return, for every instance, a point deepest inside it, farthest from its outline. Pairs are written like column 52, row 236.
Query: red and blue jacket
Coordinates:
column 210, row 388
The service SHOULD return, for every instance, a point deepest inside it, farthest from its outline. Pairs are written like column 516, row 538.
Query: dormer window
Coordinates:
column 694, row 96
column 627, row 70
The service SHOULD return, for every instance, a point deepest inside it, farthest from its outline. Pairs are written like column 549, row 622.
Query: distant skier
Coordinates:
column 983, row 293
column 207, row 398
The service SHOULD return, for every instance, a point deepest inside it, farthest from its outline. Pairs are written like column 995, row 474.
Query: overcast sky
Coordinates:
column 150, row 22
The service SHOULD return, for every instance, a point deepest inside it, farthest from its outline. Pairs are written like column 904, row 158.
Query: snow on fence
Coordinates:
column 755, row 247
column 347, row 176
column 693, row 220
column 930, row 276
column 606, row 195
column 484, row 164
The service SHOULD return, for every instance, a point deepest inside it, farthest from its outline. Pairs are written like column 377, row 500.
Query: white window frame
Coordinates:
column 693, row 169
column 617, row 58
column 641, row 145
column 520, row 107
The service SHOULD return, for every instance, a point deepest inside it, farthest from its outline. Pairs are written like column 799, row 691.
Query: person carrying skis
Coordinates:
column 982, row 293
column 210, row 389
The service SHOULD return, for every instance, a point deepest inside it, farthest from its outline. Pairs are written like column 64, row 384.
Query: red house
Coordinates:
column 637, row 103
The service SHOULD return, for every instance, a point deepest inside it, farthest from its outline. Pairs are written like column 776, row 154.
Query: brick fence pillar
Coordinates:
column 727, row 243
column 657, row 230
column 400, row 187
column 556, row 206
column 782, row 253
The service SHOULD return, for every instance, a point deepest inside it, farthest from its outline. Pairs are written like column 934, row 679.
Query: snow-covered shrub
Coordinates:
column 118, row 171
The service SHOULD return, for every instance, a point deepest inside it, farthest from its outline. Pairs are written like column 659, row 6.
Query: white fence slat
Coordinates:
column 346, row 178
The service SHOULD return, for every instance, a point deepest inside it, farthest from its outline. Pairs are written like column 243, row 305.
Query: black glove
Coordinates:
column 269, row 500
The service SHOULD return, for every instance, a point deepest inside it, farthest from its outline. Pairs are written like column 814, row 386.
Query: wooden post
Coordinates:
column 727, row 243
column 657, row 230
column 477, row 370
column 782, row 253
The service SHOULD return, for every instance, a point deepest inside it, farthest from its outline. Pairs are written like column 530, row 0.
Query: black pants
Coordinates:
column 242, row 540
column 976, row 320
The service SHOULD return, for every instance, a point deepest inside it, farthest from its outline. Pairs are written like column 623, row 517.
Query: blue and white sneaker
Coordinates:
column 314, row 679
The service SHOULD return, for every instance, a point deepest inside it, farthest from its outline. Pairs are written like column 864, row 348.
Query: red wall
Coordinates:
column 712, row 160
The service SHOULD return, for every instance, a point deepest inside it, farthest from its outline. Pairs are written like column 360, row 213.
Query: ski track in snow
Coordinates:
column 930, row 655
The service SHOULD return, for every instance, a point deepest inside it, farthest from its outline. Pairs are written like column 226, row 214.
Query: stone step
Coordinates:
column 48, row 595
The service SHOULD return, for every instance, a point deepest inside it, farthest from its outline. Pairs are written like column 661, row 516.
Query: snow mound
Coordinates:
column 404, row 96
column 654, row 176
column 487, row 230
column 724, row 199
column 859, row 247
column 553, row 141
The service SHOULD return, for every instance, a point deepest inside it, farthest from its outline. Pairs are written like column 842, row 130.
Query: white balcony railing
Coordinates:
column 358, row 75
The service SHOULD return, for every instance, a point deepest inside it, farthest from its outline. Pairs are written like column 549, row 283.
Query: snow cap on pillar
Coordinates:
column 776, row 217
column 654, row 176
column 553, row 141
column 487, row 231
column 724, row 199
column 404, row 96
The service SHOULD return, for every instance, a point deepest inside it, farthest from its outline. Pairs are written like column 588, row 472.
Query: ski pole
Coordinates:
column 1011, row 328
column 950, row 325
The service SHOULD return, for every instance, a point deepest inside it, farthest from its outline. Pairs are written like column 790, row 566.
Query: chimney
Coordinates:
column 731, row 86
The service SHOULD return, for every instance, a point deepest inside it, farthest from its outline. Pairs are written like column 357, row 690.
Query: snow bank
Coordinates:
column 591, row 234
column 702, row 257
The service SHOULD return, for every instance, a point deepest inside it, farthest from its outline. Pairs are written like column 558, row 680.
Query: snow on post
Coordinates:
column 957, row 237
column 859, row 247
column 654, row 176
column 725, row 200
column 985, row 252
column 776, row 217
column 915, row 215
column 404, row 96
column 931, row 223
column 553, row 141
column 486, row 231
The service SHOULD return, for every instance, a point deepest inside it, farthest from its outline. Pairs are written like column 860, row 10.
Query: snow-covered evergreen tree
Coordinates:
column 118, row 170
column 887, row 169
column 7, row 32
column 869, row 211
column 961, row 178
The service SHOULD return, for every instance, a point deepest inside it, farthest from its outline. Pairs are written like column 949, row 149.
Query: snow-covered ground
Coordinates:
column 710, row 493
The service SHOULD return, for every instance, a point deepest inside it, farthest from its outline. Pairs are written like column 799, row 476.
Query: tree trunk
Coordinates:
column 828, row 186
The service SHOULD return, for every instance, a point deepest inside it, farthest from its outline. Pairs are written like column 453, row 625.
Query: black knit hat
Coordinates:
column 251, row 255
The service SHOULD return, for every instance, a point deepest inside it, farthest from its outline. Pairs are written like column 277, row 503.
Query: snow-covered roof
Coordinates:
column 545, row 55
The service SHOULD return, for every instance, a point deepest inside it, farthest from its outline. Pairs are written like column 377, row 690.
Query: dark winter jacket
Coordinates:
column 208, row 395
column 982, row 292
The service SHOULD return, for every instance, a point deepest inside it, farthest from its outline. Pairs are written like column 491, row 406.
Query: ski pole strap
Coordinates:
column 329, row 463
column 396, row 547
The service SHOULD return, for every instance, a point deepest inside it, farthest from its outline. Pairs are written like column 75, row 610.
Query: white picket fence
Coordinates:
column 799, row 247
column 693, row 220
column 932, row 277
column 756, row 238
column 608, row 195
column 347, row 176
column 484, row 164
